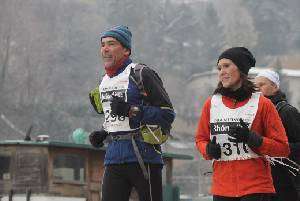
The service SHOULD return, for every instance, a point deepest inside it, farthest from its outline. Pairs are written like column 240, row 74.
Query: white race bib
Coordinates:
column 115, row 86
column 223, row 118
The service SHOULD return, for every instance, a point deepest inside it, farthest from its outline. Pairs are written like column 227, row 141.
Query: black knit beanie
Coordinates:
column 241, row 57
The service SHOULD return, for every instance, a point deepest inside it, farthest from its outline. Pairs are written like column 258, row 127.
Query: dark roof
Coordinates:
column 48, row 143
column 82, row 146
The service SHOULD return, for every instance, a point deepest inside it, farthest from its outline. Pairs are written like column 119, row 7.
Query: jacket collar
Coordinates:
column 117, row 70
column 279, row 96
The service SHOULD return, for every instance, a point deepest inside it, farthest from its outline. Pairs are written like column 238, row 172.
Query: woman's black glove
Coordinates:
column 213, row 149
column 97, row 138
column 119, row 107
column 243, row 134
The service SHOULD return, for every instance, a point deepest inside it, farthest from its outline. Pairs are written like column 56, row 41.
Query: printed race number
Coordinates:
column 112, row 118
column 230, row 148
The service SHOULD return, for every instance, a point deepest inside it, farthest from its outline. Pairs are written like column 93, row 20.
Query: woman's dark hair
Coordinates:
column 247, row 85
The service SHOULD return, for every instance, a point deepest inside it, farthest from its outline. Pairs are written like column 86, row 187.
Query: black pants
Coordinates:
column 285, row 193
column 250, row 197
column 118, row 181
column 285, row 184
column 298, row 185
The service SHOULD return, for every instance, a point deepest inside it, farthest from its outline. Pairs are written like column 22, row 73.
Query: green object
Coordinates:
column 153, row 134
column 95, row 100
column 79, row 136
column 171, row 193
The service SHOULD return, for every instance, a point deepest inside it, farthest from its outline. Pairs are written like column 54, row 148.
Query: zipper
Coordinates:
column 234, row 103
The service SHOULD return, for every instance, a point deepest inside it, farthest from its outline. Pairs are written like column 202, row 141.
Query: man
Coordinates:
column 138, row 117
column 285, row 183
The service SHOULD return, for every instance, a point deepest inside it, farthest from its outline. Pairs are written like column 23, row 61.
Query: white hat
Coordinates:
column 271, row 75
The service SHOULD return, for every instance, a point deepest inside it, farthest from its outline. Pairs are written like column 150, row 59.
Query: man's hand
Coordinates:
column 119, row 107
column 243, row 134
column 213, row 149
column 97, row 138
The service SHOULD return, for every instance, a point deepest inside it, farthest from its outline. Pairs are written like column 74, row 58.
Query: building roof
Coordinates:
column 48, row 144
column 82, row 146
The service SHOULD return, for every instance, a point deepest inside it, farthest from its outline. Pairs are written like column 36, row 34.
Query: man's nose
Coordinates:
column 105, row 48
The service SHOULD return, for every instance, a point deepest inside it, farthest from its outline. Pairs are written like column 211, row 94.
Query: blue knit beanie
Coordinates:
column 121, row 33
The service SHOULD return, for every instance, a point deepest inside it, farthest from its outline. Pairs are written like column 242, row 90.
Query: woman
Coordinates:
column 238, row 129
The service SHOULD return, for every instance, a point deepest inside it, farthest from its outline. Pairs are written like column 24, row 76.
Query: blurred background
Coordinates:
column 49, row 61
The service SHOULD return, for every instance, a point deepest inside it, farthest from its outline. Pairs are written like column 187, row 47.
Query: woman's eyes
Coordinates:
column 223, row 66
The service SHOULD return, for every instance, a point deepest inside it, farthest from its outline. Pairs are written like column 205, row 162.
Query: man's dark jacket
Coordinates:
column 290, row 118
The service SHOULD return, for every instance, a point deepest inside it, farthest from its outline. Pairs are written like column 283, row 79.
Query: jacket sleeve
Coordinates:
column 290, row 118
column 158, row 109
column 202, row 136
column 275, row 143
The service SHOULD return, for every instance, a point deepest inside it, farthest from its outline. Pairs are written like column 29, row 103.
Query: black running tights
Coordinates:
column 118, row 181
column 250, row 197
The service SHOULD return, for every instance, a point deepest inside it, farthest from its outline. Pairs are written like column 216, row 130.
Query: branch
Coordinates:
column 11, row 125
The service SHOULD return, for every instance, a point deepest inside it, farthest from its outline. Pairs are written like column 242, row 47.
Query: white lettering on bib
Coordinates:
column 223, row 118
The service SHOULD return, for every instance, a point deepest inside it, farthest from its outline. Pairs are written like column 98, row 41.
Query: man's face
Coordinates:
column 229, row 74
column 112, row 52
column 266, row 86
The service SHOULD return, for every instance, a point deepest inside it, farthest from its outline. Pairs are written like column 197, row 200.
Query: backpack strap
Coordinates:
column 137, row 78
column 157, row 136
column 280, row 105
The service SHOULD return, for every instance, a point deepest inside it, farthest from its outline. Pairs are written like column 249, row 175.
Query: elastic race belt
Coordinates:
column 135, row 135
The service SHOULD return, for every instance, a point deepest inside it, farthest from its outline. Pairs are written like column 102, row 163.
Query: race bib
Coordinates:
column 115, row 86
column 223, row 119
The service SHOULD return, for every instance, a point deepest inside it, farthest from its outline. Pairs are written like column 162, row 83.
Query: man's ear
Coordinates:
column 274, row 85
column 127, row 52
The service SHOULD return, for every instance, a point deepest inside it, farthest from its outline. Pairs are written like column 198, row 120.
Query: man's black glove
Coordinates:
column 97, row 138
column 119, row 107
column 213, row 149
column 243, row 134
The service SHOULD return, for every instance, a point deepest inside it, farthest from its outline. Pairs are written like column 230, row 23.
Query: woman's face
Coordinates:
column 229, row 74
